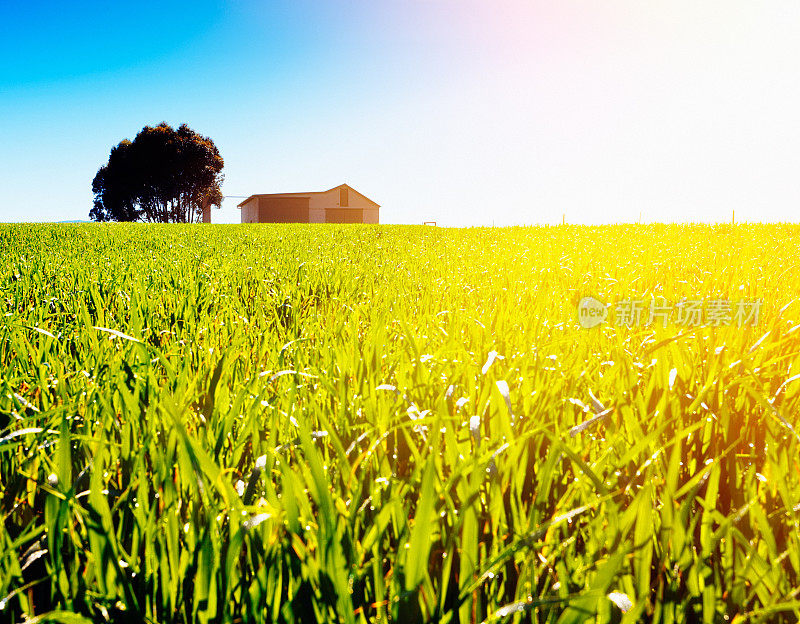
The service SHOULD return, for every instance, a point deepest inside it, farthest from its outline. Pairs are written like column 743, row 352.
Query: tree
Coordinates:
column 163, row 175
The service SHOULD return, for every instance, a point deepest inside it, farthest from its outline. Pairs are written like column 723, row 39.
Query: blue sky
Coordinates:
column 464, row 112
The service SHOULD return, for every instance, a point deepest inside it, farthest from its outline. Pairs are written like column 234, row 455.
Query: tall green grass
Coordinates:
column 364, row 424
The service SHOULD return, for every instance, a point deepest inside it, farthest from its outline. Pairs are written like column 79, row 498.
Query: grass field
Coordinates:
column 395, row 423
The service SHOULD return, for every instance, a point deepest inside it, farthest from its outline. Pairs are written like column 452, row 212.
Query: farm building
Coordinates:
column 340, row 204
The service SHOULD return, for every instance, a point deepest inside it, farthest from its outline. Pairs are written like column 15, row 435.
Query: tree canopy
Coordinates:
column 163, row 175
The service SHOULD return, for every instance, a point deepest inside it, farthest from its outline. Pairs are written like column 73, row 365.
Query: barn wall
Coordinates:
column 330, row 199
column 283, row 210
column 250, row 211
column 345, row 215
column 321, row 201
column 356, row 201
column 358, row 210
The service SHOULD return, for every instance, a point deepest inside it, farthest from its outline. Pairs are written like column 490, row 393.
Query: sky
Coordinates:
column 463, row 112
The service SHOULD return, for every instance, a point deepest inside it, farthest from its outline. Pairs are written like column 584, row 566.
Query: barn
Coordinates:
column 341, row 204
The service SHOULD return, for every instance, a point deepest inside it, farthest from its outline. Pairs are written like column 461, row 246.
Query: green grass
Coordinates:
column 305, row 423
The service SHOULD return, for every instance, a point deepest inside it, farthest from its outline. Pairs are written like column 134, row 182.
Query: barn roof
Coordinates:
column 308, row 194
